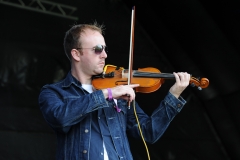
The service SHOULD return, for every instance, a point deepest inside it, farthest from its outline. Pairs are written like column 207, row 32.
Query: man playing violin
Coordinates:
column 94, row 124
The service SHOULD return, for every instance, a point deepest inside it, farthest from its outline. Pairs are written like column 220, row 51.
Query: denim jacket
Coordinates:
column 67, row 108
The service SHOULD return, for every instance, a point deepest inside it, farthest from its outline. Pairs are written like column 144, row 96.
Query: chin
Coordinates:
column 98, row 72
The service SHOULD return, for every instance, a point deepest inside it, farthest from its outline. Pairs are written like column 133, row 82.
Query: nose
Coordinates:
column 103, row 54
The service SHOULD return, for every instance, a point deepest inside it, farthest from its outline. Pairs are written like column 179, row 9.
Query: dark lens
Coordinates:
column 98, row 49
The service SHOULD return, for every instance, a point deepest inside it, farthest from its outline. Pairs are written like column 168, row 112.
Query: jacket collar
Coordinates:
column 70, row 79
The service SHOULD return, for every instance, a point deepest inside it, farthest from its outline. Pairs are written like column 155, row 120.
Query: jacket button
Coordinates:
column 179, row 105
column 84, row 151
column 86, row 130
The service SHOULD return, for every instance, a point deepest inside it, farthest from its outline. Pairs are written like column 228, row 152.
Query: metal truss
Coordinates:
column 43, row 6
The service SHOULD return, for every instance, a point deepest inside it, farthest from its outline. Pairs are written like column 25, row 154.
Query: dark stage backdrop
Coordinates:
column 193, row 36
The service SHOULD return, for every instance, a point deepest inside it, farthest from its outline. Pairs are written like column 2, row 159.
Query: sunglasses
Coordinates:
column 98, row 48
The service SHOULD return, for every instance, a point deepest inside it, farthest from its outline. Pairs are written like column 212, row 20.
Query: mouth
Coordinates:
column 102, row 63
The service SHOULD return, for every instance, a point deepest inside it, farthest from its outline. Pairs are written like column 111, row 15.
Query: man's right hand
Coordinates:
column 123, row 91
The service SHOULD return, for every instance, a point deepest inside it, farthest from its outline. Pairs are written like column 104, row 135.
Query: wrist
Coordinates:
column 105, row 93
column 175, row 95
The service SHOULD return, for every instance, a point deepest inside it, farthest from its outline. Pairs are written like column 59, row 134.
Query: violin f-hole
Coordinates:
column 121, row 82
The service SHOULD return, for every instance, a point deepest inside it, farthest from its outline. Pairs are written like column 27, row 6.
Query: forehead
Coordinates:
column 91, row 36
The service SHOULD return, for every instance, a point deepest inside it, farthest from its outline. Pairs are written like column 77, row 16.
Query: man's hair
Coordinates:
column 73, row 36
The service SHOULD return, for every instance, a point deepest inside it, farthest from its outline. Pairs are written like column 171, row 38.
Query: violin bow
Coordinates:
column 131, row 49
column 130, row 72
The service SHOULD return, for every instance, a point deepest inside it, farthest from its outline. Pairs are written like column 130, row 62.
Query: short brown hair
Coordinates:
column 73, row 35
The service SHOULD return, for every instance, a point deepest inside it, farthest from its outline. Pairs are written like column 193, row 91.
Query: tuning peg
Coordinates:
column 192, row 85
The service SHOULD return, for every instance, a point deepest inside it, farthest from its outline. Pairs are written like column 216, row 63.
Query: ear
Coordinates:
column 75, row 55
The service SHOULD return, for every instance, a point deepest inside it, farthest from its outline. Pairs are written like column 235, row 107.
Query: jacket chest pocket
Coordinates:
column 114, row 115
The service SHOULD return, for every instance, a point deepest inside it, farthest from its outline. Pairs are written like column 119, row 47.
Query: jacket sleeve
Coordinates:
column 154, row 126
column 62, row 110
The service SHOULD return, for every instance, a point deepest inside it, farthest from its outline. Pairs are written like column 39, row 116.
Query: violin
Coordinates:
column 149, row 79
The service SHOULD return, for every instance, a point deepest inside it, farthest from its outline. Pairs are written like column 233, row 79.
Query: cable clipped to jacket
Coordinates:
column 140, row 130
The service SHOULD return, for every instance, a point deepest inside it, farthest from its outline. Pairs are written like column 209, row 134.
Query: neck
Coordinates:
column 81, row 77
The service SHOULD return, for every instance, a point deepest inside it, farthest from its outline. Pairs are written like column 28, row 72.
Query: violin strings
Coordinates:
column 154, row 75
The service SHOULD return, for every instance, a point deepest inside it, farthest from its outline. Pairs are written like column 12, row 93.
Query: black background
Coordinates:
column 197, row 36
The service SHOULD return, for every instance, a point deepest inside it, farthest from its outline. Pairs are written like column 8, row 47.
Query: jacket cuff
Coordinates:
column 174, row 102
column 100, row 99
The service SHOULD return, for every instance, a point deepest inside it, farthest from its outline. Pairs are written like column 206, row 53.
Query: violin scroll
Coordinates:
column 199, row 83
